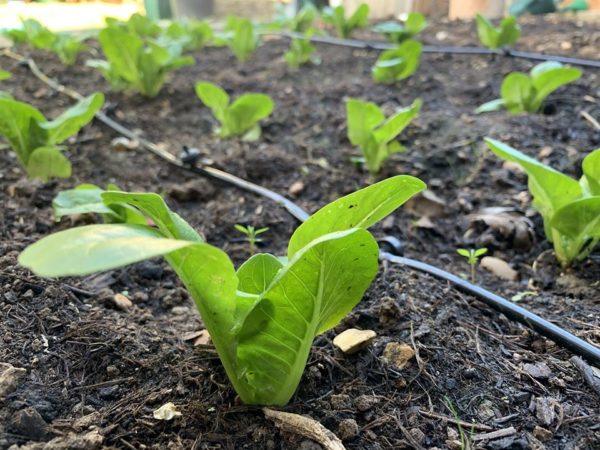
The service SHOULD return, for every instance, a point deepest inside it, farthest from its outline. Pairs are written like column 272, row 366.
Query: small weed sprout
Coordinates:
column 472, row 255
column 251, row 234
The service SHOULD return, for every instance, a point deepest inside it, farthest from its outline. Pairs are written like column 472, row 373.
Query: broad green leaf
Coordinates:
column 394, row 125
column 19, row 126
column 398, row 64
column 550, row 189
column 360, row 18
column 122, row 50
column 591, row 173
column 362, row 117
column 84, row 199
column 95, row 248
column 516, row 92
column 308, row 296
column 48, row 162
column 488, row 35
column 547, row 81
column 509, row 31
column 257, row 273
column 579, row 220
column 246, row 111
column 415, row 23
column 73, row 119
column 361, row 209
column 463, row 252
column 490, row 106
column 214, row 97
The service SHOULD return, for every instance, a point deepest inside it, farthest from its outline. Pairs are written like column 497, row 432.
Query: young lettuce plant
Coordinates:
column 194, row 34
column 497, row 37
column 262, row 318
column 570, row 208
column 240, row 118
column 240, row 35
column 523, row 93
column 301, row 52
column 344, row 27
column 36, row 140
column 304, row 19
column 373, row 133
column 135, row 63
column 398, row 32
column 399, row 63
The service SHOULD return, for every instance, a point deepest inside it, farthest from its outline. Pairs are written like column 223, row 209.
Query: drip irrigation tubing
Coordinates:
column 517, row 313
column 375, row 45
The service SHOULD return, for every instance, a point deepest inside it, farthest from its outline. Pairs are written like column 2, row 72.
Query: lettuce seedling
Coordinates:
column 262, row 318
column 399, row 63
column 570, row 208
column 65, row 45
column 239, row 118
column 398, row 32
column 497, row 37
column 136, row 64
column 304, row 19
column 138, row 24
column 240, row 35
column 373, row 133
column 194, row 34
column 344, row 27
column 301, row 52
column 36, row 140
column 522, row 93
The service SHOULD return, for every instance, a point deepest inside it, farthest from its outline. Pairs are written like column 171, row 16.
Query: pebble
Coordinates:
column 296, row 188
column 30, row 423
column 122, row 302
column 348, row 429
column 353, row 340
column 9, row 378
column 499, row 267
column 398, row 355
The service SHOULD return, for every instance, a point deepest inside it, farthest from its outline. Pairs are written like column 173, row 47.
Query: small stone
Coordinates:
column 30, row 423
column 122, row 302
column 545, row 152
column 180, row 310
column 122, row 144
column 542, row 434
column 9, row 378
column 565, row 45
column 296, row 188
column 348, row 429
column 352, row 340
column 365, row 402
column 544, row 410
column 398, row 355
column 340, row 402
column 499, row 267
column 168, row 411
column 538, row 370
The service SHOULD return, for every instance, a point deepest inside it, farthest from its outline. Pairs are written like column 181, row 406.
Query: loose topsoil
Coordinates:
column 94, row 372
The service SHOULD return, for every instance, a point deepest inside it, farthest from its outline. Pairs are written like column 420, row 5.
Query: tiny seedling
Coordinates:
column 526, row 93
column 399, row 63
column 239, row 118
column 570, row 208
column 472, row 256
column 374, row 133
column 398, row 32
column 36, row 140
column 301, row 52
column 135, row 63
column 497, row 37
column 65, row 45
column 262, row 318
column 240, row 35
column 344, row 27
column 251, row 234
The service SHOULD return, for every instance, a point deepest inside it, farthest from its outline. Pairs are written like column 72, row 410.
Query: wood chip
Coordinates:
column 544, row 410
column 504, row 432
column 9, row 378
column 539, row 370
column 305, row 426
column 168, row 411
column 499, row 267
column 353, row 340
column 202, row 339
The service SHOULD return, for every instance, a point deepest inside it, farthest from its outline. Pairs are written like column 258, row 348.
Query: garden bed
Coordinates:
column 92, row 364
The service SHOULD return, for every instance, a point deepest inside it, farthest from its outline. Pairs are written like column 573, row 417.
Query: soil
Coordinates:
column 95, row 372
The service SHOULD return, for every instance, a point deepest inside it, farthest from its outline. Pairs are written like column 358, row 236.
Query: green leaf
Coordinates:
column 95, row 248
column 415, row 23
column 550, row 189
column 509, row 31
column 591, row 173
column 308, row 296
column 362, row 117
column 488, row 35
column 5, row 75
column 257, row 273
column 395, row 124
column 463, row 252
column 398, row 64
column 546, row 80
column 246, row 111
column 84, row 199
column 73, row 119
column 214, row 97
column 122, row 50
column 490, row 106
column 361, row 209
column 579, row 220
column 360, row 18
column 19, row 126
column 47, row 162
column 517, row 92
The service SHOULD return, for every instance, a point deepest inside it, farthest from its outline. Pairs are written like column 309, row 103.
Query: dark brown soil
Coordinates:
column 95, row 373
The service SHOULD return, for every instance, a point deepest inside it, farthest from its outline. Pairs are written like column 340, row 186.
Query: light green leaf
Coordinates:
column 122, row 50
column 516, row 92
column 214, row 97
column 547, row 81
column 591, row 173
column 488, row 35
column 362, row 117
column 579, row 220
column 246, row 111
column 19, row 126
column 48, row 162
column 84, row 199
column 257, row 273
column 510, row 31
column 73, row 119
column 490, row 106
column 5, row 75
column 95, row 248
column 395, row 124
column 361, row 209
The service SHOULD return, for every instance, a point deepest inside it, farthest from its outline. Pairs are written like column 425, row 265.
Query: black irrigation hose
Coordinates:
column 510, row 309
column 374, row 45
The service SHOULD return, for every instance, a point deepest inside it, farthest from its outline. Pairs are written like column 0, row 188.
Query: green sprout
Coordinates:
column 472, row 256
column 251, row 235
